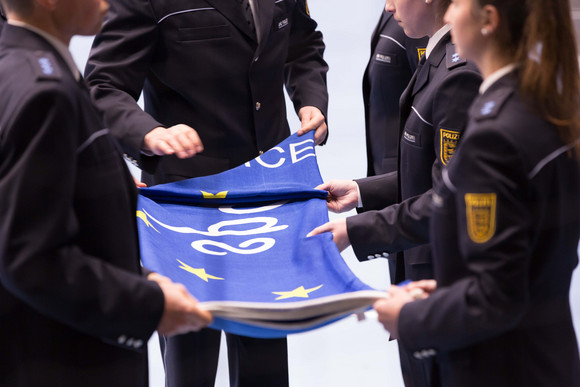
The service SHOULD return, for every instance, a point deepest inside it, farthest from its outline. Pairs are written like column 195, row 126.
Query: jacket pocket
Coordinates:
column 204, row 33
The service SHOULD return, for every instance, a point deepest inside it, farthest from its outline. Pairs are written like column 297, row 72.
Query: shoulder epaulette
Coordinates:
column 489, row 106
column 453, row 58
column 44, row 65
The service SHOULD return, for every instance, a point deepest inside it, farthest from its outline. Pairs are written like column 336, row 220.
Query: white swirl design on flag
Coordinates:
column 269, row 225
column 267, row 243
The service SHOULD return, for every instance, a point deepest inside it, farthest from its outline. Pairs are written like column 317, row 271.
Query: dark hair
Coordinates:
column 20, row 7
column 442, row 8
column 539, row 35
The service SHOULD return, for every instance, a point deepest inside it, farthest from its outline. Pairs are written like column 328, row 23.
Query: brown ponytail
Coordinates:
column 539, row 36
column 549, row 76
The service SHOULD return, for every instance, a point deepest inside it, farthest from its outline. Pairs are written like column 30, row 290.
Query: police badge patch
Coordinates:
column 449, row 140
column 421, row 52
column 480, row 213
column 307, row 9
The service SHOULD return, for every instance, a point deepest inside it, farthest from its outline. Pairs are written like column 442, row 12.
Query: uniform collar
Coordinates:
column 495, row 76
column 60, row 47
column 433, row 40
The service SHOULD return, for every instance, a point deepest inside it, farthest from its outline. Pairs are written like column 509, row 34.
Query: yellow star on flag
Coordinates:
column 143, row 216
column 219, row 195
column 298, row 293
column 198, row 272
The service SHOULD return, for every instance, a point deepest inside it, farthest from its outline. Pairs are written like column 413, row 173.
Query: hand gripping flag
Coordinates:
column 237, row 241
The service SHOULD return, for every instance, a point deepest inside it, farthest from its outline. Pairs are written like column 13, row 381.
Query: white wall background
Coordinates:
column 347, row 353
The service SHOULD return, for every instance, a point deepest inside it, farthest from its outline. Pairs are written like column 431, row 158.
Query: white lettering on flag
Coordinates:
column 294, row 152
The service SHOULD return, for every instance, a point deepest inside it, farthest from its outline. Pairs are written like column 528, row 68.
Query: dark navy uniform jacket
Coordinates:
column 2, row 18
column 433, row 115
column 393, row 61
column 505, row 230
column 199, row 64
column 74, row 309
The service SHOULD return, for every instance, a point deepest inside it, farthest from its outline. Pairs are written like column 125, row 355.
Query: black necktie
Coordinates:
column 248, row 14
column 406, row 100
column 421, row 63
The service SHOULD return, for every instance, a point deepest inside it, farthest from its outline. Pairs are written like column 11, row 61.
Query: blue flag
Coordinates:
column 238, row 239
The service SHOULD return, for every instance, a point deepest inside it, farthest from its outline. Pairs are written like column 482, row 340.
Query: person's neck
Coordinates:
column 490, row 62
column 45, row 24
column 436, row 27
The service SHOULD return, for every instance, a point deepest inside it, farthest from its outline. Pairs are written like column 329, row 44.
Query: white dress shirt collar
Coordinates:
column 433, row 40
column 495, row 76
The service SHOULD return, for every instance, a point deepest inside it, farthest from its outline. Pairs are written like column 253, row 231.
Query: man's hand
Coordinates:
column 389, row 309
column 180, row 140
column 342, row 195
column 181, row 313
column 421, row 289
column 311, row 118
column 338, row 230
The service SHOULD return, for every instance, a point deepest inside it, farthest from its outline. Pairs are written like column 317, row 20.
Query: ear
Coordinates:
column 490, row 18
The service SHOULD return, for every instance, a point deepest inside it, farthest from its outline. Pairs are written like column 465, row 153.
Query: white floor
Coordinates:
column 349, row 352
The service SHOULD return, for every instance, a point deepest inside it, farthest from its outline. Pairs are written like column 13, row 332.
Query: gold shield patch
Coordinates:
column 449, row 140
column 306, row 5
column 480, row 213
column 421, row 52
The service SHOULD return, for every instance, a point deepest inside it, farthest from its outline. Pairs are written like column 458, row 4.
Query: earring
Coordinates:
column 484, row 31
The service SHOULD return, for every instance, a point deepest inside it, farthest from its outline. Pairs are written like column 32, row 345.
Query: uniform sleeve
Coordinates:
column 392, row 229
column 305, row 69
column 41, row 262
column 378, row 192
column 117, row 67
column 494, row 242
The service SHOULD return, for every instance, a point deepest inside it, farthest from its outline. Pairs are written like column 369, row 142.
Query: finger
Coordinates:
column 320, row 134
column 418, row 293
column 188, row 142
column 195, row 141
column 333, row 206
column 313, row 122
column 183, row 290
column 138, row 183
column 319, row 230
column 324, row 186
column 394, row 290
column 380, row 303
column 306, row 124
column 175, row 142
column 158, row 278
column 428, row 285
column 206, row 317
column 161, row 148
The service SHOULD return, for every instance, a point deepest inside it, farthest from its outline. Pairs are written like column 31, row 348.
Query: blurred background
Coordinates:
column 349, row 352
